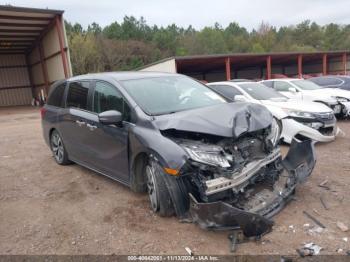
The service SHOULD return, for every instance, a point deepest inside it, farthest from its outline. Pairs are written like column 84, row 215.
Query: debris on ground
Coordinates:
column 323, row 184
column 315, row 211
column 345, row 239
column 314, row 219
column 323, row 202
column 339, row 250
column 309, row 249
column 236, row 237
column 342, row 226
column 189, row 251
column 291, row 227
column 315, row 230
column 340, row 133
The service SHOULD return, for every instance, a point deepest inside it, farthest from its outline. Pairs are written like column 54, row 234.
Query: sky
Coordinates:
column 198, row 13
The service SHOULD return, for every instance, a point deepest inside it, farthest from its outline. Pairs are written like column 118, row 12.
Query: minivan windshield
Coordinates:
column 170, row 94
column 260, row 92
column 306, row 85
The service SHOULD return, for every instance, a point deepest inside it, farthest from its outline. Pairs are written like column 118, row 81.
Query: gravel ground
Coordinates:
column 51, row 209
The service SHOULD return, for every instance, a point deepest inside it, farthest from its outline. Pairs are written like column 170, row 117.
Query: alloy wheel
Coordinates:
column 152, row 188
column 57, row 147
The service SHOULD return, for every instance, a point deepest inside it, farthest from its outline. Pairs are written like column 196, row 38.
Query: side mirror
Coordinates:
column 240, row 98
column 292, row 89
column 110, row 117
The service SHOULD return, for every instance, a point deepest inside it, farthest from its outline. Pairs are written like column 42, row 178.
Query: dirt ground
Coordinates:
column 50, row 209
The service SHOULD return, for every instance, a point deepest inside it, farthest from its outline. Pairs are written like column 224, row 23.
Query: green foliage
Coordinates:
column 257, row 48
column 132, row 43
column 211, row 41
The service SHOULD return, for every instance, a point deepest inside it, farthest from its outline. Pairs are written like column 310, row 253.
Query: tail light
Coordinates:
column 42, row 112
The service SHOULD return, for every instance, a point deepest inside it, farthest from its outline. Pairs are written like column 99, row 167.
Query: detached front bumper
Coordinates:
column 298, row 165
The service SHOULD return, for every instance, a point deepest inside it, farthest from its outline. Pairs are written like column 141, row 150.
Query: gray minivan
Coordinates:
column 198, row 156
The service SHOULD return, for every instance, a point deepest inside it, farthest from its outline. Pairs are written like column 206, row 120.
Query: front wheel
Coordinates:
column 158, row 192
column 58, row 149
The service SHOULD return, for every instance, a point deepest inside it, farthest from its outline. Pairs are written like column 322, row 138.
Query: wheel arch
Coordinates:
column 322, row 102
column 138, row 164
column 50, row 132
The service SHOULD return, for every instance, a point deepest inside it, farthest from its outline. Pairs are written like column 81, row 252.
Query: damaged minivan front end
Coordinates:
column 235, row 180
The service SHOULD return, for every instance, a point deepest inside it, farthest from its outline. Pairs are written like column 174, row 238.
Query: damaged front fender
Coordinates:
column 298, row 164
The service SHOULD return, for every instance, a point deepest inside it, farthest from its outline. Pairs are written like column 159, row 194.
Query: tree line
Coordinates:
column 133, row 43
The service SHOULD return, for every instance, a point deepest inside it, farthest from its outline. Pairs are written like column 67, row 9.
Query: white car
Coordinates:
column 298, row 118
column 337, row 99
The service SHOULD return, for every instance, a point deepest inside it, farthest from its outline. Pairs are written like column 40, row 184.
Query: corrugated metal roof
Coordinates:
column 21, row 27
column 243, row 58
column 273, row 54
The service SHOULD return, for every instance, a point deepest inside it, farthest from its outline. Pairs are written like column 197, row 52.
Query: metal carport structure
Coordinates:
column 33, row 53
column 255, row 66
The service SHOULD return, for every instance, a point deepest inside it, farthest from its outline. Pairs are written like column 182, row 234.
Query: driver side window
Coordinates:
column 107, row 97
column 282, row 86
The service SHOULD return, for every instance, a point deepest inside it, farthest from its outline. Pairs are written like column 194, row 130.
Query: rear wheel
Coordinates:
column 158, row 192
column 58, row 149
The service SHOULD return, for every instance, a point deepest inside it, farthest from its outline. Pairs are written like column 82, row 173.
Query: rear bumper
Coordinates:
column 298, row 165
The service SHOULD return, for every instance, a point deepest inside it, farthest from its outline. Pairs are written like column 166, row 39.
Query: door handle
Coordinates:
column 91, row 127
column 80, row 123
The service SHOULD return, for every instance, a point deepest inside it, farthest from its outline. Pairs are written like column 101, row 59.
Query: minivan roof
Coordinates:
column 120, row 76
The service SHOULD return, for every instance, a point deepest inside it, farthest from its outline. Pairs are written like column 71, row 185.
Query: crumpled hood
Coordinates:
column 227, row 120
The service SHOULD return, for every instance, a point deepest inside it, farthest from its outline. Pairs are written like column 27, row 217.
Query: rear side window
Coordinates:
column 268, row 83
column 282, row 86
column 78, row 95
column 55, row 97
column 227, row 91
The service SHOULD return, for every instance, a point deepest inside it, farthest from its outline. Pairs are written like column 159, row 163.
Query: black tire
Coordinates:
column 58, row 149
column 160, row 199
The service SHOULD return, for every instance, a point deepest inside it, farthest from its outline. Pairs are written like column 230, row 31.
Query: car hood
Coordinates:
column 294, row 104
column 227, row 120
column 327, row 93
column 336, row 92
column 321, row 94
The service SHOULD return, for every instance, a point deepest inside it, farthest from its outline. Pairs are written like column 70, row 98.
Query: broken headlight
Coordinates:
column 299, row 114
column 341, row 99
column 207, row 154
column 275, row 132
